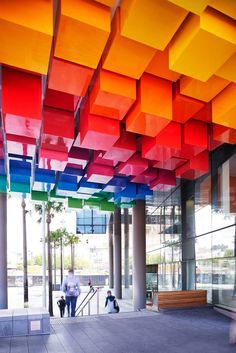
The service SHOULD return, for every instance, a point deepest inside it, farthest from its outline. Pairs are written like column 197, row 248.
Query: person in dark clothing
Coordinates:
column 61, row 304
column 111, row 303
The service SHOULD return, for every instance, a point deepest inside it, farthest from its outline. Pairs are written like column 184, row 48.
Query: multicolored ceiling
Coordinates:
column 105, row 101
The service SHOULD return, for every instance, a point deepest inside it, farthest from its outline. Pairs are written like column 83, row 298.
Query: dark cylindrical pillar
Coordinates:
column 139, row 255
column 117, row 253
column 111, row 267
column 3, row 250
column 126, row 236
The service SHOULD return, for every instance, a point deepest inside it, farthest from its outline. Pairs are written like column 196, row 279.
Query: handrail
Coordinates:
column 90, row 291
column 87, row 303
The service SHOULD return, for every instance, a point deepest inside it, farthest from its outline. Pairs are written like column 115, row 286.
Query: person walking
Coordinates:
column 71, row 288
column 61, row 304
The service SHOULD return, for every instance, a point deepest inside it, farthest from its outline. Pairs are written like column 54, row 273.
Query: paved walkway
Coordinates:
column 177, row 331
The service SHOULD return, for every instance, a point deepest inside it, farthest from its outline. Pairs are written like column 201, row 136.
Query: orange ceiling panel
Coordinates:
column 153, row 108
column 203, row 45
column 112, row 95
column 226, row 6
column 159, row 66
column 150, row 22
column 203, row 91
column 184, row 107
column 224, row 107
column 125, row 56
column 109, row 3
column 26, row 30
column 70, row 78
column 196, row 7
column 227, row 70
column 84, row 27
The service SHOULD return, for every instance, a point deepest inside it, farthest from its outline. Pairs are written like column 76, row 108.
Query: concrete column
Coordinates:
column 111, row 267
column 139, row 255
column 117, row 253
column 126, row 236
column 3, row 250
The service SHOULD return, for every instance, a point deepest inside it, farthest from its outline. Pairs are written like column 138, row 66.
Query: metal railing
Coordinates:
column 87, row 301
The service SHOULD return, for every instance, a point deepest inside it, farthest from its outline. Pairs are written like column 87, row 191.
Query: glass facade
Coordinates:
column 164, row 238
column 191, row 232
column 216, row 232
column 91, row 221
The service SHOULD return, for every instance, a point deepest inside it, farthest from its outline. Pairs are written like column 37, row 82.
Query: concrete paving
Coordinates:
column 177, row 331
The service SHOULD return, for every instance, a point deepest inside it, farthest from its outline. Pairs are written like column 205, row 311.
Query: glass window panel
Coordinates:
column 225, row 215
column 223, row 278
column 223, row 242
column 203, row 247
column 204, row 277
column 203, row 206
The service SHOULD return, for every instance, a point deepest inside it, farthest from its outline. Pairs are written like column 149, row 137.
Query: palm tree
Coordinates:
column 51, row 208
column 55, row 243
column 71, row 240
column 57, row 238
column 25, row 270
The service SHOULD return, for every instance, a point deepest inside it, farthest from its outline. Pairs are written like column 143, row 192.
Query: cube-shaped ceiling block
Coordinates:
column 164, row 145
column 54, row 134
column 134, row 166
column 224, row 107
column 86, row 187
column 152, row 23
column 112, row 95
column 39, row 196
column 78, row 156
column 61, row 100
column 21, row 145
column 159, row 66
column 109, row 3
column 123, row 55
column 98, row 158
column 204, row 91
column 75, row 203
column 70, row 78
column 195, row 133
column 153, row 109
column 146, row 177
column 170, row 164
column 26, row 30
column 194, row 139
column 224, row 134
column 52, row 159
column 97, row 132
column 116, row 184
column 184, row 107
column 196, row 7
column 21, row 103
column 165, row 177
column 91, row 22
column 211, row 33
column 227, row 70
column 123, row 148
column 99, row 173
column 227, row 7
column 204, row 114
column 196, row 167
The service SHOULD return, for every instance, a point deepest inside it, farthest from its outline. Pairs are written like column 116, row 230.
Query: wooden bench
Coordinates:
column 24, row 322
column 179, row 299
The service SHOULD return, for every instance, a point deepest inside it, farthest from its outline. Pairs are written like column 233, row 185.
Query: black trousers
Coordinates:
column 62, row 311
